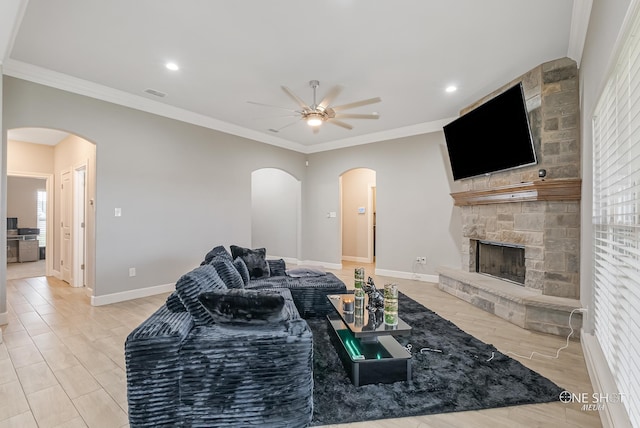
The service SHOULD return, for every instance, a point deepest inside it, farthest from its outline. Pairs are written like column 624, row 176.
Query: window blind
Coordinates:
column 616, row 222
column 42, row 217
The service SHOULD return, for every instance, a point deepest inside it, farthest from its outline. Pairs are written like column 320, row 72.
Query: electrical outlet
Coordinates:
column 422, row 260
column 132, row 271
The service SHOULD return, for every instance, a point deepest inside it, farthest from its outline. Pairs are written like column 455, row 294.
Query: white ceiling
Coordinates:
column 231, row 52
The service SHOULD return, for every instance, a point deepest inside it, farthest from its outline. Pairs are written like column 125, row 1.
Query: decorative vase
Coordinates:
column 391, row 304
column 358, row 277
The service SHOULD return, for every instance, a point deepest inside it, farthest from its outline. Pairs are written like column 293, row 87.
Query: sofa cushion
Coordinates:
column 255, row 259
column 216, row 252
column 306, row 271
column 244, row 306
column 190, row 285
column 228, row 272
column 174, row 304
column 277, row 267
column 241, row 267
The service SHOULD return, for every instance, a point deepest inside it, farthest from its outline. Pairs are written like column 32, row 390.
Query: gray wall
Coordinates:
column 182, row 188
column 604, row 27
column 415, row 213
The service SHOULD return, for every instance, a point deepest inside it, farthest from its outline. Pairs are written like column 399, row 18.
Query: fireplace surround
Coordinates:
column 539, row 215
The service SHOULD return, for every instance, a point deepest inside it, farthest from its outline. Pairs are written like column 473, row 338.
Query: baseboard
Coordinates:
column 408, row 275
column 612, row 415
column 57, row 274
column 4, row 318
column 356, row 259
column 327, row 265
column 131, row 294
column 287, row 260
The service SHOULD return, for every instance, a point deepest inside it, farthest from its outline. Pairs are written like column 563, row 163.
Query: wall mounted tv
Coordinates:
column 493, row 137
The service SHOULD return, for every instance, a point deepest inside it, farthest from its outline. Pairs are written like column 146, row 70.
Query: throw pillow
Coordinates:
column 241, row 267
column 216, row 252
column 190, row 285
column 174, row 304
column 228, row 272
column 277, row 267
column 254, row 259
column 244, row 306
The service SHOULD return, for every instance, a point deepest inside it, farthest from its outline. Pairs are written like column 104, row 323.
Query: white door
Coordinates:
column 66, row 201
column 79, row 226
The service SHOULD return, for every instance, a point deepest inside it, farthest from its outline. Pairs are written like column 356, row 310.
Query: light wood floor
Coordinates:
column 62, row 362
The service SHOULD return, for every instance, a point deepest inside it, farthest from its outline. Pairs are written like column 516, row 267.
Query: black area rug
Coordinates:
column 458, row 379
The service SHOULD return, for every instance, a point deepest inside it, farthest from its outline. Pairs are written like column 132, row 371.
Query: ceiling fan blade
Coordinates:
column 339, row 123
column 295, row 98
column 282, row 127
column 269, row 105
column 331, row 95
column 357, row 104
column 357, row 116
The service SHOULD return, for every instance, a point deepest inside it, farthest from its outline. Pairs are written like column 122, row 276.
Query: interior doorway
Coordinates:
column 29, row 214
column 68, row 161
column 358, row 215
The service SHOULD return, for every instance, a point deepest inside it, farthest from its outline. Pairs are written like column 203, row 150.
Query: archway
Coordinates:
column 68, row 161
column 358, row 214
column 276, row 213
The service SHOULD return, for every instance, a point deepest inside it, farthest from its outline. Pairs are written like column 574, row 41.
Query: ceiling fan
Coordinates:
column 318, row 113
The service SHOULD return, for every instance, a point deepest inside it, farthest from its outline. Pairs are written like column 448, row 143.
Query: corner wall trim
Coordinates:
column 408, row 275
column 131, row 294
column 613, row 414
column 4, row 319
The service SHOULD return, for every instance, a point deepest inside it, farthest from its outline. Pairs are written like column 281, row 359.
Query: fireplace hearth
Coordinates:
column 500, row 260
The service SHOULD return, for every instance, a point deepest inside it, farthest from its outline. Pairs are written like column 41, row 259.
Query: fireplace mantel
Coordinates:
column 539, row 190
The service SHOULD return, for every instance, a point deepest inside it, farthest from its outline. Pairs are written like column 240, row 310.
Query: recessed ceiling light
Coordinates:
column 172, row 66
column 451, row 88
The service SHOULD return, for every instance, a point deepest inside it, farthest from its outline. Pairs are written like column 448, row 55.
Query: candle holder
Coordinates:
column 347, row 305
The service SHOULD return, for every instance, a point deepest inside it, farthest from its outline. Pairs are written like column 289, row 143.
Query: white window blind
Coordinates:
column 42, row 217
column 616, row 222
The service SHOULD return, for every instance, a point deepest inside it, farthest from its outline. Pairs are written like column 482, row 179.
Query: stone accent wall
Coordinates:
column 550, row 231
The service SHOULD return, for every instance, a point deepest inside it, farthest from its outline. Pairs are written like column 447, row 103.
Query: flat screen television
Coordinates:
column 494, row 136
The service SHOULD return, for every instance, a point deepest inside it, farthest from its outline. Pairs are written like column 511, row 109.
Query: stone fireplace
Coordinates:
column 518, row 210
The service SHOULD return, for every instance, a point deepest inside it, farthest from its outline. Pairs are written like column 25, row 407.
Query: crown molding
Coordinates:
column 43, row 76
column 579, row 24
column 75, row 85
column 392, row 134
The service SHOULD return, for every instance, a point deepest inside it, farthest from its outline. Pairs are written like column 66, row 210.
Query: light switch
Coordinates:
column 118, row 212
column 332, row 214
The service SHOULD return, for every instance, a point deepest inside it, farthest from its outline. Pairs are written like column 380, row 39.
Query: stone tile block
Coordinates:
column 529, row 221
column 560, row 98
column 552, row 124
column 554, row 262
column 551, row 88
column 569, row 122
column 563, row 220
column 560, row 289
column 551, row 148
column 483, row 304
column 534, row 253
column 573, row 263
column 555, row 233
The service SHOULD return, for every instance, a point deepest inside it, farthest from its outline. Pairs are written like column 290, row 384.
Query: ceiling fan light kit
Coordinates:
column 318, row 113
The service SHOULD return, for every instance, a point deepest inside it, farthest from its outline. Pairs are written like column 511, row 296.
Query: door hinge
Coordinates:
column 82, row 224
column 82, row 266
column 61, row 262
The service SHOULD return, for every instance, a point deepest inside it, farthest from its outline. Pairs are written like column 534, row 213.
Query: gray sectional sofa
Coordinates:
column 230, row 347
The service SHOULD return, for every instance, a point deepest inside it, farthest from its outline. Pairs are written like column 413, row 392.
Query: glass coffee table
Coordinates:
column 366, row 346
